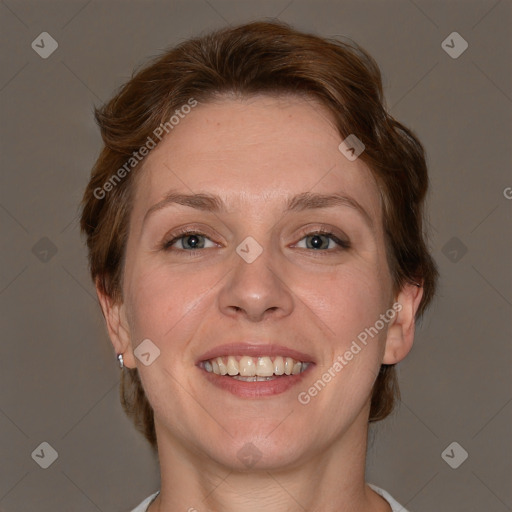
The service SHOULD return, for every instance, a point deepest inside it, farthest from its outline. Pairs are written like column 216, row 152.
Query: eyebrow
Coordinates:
column 300, row 202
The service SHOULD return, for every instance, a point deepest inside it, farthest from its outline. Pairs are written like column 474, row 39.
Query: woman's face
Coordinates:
column 253, row 274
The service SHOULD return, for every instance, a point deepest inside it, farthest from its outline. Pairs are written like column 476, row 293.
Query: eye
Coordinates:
column 323, row 240
column 188, row 241
column 319, row 240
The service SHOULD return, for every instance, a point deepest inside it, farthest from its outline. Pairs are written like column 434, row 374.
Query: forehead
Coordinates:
column 254, row 152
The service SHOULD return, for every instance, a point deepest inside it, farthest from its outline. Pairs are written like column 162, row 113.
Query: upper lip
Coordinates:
column 254, row 349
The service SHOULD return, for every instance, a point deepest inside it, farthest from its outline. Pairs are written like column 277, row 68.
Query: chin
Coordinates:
column 264, row 451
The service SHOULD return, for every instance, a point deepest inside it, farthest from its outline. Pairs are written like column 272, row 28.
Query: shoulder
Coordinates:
column 142, row 507
column 395, row 506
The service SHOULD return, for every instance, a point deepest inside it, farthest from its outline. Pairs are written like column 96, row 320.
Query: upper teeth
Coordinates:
column 255, row 366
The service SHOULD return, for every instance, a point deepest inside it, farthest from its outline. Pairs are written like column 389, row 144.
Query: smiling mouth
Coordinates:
column 254, row 369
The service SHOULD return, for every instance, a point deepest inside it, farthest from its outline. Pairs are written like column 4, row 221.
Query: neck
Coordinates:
column 329, row 481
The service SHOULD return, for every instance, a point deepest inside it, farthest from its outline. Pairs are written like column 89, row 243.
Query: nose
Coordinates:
column 256, row 290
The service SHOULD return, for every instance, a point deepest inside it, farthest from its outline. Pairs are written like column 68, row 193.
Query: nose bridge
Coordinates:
column 254, row 288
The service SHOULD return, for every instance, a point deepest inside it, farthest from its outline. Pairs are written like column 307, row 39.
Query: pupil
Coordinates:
column 192, row 240
column 316, row 241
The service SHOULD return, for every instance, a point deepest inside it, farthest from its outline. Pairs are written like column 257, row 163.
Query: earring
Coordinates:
column 120, row 359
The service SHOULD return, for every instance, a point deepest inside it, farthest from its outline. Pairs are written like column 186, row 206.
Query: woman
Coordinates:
column 254, row 225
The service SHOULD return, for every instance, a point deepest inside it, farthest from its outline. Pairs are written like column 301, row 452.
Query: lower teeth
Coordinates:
column 251, row 379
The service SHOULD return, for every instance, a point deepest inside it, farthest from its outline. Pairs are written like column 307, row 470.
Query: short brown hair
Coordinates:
column 256, row 58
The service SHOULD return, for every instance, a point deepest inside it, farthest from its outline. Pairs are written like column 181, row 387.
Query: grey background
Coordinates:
column 58, row 374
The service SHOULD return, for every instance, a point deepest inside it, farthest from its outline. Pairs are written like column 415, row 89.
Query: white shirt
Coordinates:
column 395, row 506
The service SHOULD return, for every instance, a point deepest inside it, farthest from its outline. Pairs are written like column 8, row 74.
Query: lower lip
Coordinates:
column 256, row 389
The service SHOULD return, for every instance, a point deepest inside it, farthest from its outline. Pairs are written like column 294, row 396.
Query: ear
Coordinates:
column 400, row 335
column 117, row 326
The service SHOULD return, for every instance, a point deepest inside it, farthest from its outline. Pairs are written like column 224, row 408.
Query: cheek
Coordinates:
column 164, row 303
column 348, row 303
column 346, row 300
column 166, row 307
column 149, row 307
column 347, row 306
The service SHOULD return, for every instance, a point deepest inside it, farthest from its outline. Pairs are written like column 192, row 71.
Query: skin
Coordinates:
column 255, row 153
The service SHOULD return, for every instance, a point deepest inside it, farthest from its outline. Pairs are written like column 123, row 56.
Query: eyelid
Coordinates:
column 339, row 238
column 178, row 233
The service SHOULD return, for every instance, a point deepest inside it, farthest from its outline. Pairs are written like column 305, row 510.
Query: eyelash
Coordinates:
column 178, row 235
